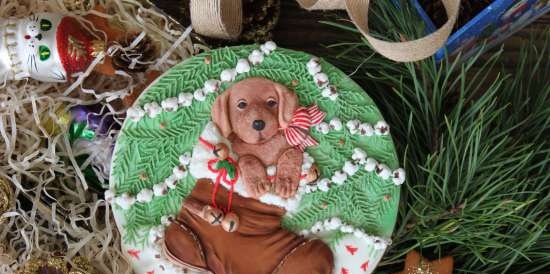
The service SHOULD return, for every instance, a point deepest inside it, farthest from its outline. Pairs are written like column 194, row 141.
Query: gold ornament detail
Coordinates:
column 57, row 265
column 7, row 199
column 76, row 48
column 98, row 47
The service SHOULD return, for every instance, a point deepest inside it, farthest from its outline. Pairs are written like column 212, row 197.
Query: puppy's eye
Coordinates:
column 242, row 104
column 271, row 103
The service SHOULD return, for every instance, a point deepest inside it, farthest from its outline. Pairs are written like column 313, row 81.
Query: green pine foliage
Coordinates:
column 475, row 147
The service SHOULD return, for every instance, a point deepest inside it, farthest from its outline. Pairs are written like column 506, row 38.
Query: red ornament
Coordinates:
column 74, row 44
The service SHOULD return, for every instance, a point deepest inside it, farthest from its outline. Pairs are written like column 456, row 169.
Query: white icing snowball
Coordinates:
column 350, row 168
column 359, row 156
column 330, row 92
column 109, row 195
column 125, row 201
column 160, row 189
column 314, row 62
column 270, row 46
column 336, row 124
column 398, row 177
column 346, row 228
column 323, row 128
column 211, row 86
column 353, row 126
column 317, row 227
column 323, row 185
column 383, row 171
column 171, row 182
column 185, row 158
column 179, row 172
column 339, row 177
column 314, row 70
column 366, row 129
column 271, row 170
column 370, row 164
column 256, row 57
column 153, row 109
column 305, row 232
column 185, row 99
column 382, row 128
column 306, row 165
column 199, row 95
column 170, row 104
column 228, row 75
column 333, row 223
column 145, row 195
column 321, row 80
column 166, row 220
column 242, row 66
column 135, row 113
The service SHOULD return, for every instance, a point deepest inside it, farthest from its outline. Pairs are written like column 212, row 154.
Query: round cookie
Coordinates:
column 158, row 158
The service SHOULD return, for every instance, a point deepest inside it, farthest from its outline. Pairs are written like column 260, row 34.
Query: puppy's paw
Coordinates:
column 286, row 187
column 258, row 187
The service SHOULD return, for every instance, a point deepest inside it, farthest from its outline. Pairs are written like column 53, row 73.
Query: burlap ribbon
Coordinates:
column 223, row 19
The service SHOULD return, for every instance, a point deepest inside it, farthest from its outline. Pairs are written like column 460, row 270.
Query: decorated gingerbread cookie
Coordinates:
column 255, row 159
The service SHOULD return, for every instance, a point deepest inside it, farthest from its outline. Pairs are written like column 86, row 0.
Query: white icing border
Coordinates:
column 355, row 127
column 146, row 195
column 185, row 99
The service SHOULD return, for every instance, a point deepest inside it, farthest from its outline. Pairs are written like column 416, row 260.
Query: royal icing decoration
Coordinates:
column 184, row 99
column 321, row 79
column 146, row 195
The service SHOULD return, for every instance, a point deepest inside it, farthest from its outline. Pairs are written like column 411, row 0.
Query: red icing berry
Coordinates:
column 27, row 37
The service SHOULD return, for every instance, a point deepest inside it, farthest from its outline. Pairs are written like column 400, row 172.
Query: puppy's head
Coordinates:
column 254, row 109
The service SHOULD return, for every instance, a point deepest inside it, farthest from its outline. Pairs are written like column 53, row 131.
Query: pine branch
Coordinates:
column 475, row 148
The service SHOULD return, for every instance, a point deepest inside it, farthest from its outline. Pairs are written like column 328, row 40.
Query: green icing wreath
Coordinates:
column 147, row 150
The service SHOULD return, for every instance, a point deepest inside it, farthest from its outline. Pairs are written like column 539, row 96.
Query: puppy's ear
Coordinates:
column 288, row 103
column 220, row 114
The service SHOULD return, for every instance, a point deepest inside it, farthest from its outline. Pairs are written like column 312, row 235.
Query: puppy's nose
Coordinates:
column 258, row 125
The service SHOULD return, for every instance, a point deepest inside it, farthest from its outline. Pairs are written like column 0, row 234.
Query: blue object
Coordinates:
column 495, row 23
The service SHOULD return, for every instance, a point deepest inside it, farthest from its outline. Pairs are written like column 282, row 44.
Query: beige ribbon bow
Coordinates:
column 223, row 19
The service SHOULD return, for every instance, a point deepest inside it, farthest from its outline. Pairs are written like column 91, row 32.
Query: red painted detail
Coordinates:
column 364, row 266
column 68, row 28
column 351, row 249
column 27, row 37
column 344, row 270
column 151, row 272
column 134, row 253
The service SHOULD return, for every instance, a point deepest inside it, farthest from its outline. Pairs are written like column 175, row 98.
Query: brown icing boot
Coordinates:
column 182, row 247
column 311, row 257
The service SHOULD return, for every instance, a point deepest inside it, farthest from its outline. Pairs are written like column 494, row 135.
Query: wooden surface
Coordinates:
column 302, row 30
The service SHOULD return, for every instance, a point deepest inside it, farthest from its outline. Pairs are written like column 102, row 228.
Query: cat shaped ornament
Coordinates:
column 47, row 47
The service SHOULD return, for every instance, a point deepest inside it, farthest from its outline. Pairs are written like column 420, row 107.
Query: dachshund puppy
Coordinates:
column 252, row 114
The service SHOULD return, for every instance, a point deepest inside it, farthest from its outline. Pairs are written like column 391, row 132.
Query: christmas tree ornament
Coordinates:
column 7, row 199
column 416, row 264
column 48, row 47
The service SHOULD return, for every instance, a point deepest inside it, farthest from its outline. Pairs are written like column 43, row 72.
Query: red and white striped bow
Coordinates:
column 296, row 133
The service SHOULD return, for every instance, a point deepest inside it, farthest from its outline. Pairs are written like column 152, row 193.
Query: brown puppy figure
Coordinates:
column 252, row 114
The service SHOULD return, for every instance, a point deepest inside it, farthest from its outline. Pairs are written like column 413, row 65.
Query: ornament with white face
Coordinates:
column 48, row 47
